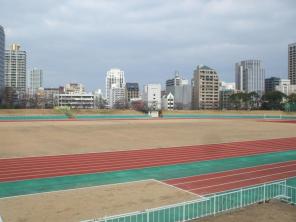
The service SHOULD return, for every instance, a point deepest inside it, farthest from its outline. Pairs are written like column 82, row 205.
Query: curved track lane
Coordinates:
column 235, row 179
column 51, row 166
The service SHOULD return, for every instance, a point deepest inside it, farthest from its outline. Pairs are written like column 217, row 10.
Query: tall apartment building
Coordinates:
column 131, row 91
column 271, row 83
column 115, row 85
column 36, row 80
column 292, row 63
column 15, row 69
column 250, row 76
column 205, row 90
column 181, row 90
column 2, row 56
column 152, row 96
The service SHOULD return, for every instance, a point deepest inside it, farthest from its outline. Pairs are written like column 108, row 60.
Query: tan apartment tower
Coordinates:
column 205, row 89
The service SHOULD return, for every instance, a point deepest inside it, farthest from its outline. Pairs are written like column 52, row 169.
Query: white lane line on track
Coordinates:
column 178, row 188
column 244, row 168
column 234, row 174
column 238, row 181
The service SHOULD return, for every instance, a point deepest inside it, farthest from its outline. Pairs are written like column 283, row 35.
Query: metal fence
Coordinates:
column 209, row 205
column 228, row 116
column 289, row 194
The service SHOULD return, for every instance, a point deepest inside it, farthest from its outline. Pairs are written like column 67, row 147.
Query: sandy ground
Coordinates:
column 274, row 211
column 52, row 138
column 88, row 203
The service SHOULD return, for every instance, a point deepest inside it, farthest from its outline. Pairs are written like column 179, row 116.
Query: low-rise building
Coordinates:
column 74, row 88
column 285, row 87
column 167, row 102
column 271, row 83
column 73, row 95
column 75, row 100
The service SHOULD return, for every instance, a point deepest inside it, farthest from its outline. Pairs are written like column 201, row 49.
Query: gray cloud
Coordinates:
column 74, row 40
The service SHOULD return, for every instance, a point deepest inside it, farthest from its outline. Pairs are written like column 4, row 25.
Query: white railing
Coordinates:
column 289, row 194
column 210, row 205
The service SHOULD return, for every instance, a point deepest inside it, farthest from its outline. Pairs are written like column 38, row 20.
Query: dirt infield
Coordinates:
column 87, row 203
column 54, row 138
column 273, row 211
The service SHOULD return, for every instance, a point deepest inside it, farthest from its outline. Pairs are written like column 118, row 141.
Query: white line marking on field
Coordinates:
column 178, row 188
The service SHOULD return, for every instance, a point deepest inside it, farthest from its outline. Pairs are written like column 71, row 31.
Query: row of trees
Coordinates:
column 273, row 100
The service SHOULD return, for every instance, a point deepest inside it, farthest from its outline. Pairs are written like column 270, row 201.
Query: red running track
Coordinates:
column 235, row 179
column 280, row 121
column 51, row 166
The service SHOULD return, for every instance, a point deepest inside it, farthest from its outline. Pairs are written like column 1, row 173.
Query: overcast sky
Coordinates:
column 79, row 40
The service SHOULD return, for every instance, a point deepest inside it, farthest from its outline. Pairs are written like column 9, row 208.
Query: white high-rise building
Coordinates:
column 115, row 87
column 250, row 76
column 36, row 80
column 15, row 69
column 152, row 96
